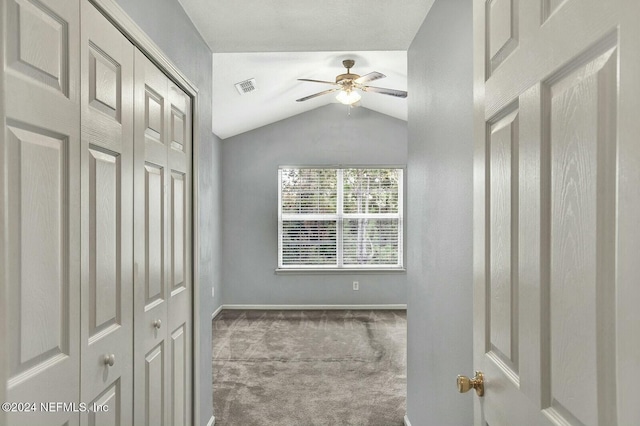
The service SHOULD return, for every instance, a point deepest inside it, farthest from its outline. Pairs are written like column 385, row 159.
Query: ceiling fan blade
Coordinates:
column 382, row 90
column 319, row 81
column 324, row 92
column 369, row 77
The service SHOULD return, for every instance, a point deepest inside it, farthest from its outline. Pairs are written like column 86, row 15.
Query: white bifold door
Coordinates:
column 107, row 64
column 41, row 207
column 557, row 208
column 162, row 229
column 96, row 193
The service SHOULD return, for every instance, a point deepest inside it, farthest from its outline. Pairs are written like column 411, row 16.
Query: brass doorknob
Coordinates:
column 465, row 384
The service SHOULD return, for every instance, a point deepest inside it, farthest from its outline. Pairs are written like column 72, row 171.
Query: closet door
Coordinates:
column 40, row 157
column 107, row 221
column 151, row 363
column 180, row 289
column 162, row 249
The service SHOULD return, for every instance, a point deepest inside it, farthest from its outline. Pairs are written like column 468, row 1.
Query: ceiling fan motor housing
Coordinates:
column 347, row 79
column 348, row 63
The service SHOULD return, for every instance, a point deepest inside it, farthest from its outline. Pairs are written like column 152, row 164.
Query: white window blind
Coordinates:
column 339, row 218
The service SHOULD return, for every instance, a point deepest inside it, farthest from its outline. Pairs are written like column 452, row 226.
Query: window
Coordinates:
column 339, row 218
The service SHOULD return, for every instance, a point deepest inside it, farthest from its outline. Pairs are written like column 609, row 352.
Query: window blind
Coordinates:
column 339, row 218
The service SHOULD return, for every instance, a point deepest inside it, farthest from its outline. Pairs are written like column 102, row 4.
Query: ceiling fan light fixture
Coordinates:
column 347, row 83
column 349, row 97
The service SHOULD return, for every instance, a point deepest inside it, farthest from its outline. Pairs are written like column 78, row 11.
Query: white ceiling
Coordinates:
column 276, row 77
column 278, row 41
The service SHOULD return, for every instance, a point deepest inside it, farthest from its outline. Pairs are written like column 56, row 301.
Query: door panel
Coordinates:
column 40, row 47
column 162, row 247
column 179, row 372
column 107, row 219
column 578, row 135
column 154, row 113
column 155, row 386
column 503, row 171
column 110, row 398
column 151, row 362
column 154, row 235
column 40, row 232
column 180, row 312
column 502, row 30
column 41, row 302
column 178, row 230
column 555, row 144
column 104, row 280
column 582, row 250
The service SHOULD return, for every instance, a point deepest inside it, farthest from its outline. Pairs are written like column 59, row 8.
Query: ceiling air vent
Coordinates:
column 246, row 86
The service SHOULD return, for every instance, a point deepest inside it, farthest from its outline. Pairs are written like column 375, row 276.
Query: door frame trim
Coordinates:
column 4, row 369
column 130, row 29
column 479, row 191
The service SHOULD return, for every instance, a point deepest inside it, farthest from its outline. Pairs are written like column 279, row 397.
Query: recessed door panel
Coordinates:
column 39, row 302
column 503, row 157
column 105, row 82
column 154, row 233
column 502, row 30
column 104, row 211
column 105, row 410
column 549, row 7
column 154, row 115
column 178, row 129
column 582, row 104
column 39, row 48
column 179, row 374
column 155, row 386
column 178, row 225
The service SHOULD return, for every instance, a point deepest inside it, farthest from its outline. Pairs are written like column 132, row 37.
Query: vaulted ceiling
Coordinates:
column 278, row 41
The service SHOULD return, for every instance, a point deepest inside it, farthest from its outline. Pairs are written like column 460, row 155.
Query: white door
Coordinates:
column 180, row 283
column 162, row 249
column 150, row 244
column 107, row 221
column 557, row 202
column 40, row 157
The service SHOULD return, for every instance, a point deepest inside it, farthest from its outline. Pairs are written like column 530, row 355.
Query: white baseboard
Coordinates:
column 212, row 421
column 406, row 421
column 217, row 311
column 316, row 307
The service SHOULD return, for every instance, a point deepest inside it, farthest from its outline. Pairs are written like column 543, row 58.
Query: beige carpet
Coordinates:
column 307, row 368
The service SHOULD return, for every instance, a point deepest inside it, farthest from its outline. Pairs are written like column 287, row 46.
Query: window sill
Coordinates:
column 328, row 271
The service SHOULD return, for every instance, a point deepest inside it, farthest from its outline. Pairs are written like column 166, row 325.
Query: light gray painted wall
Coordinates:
column 212, row 215
column 440, row 194
column 167, row 24
column 324, row 136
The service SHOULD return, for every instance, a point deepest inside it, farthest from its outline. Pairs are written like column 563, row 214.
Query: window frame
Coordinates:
column 339, row 217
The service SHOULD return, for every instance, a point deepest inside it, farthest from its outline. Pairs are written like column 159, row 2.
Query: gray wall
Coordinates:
column 324, row 136
column 440, row 203
column 167, row 24
column 211, row 213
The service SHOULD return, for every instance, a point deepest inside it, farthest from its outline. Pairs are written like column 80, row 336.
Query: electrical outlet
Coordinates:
column 356, row 286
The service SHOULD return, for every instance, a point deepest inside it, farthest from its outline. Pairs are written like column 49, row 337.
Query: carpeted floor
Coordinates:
column 308, row 368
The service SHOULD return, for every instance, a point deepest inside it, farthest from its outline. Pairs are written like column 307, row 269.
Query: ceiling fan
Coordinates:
column 348, row 83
